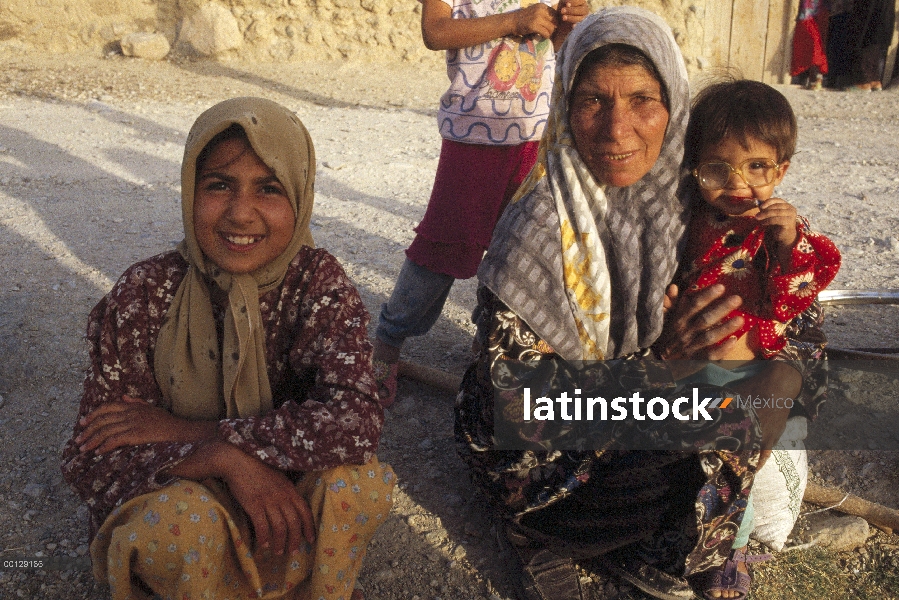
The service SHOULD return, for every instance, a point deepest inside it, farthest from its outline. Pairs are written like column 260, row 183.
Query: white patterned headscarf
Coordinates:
column 585, row 264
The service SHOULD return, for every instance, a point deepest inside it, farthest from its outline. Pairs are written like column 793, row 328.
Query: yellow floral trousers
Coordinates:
column 188, row 542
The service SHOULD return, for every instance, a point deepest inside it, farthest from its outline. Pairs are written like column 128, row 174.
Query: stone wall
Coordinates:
column 266, row 30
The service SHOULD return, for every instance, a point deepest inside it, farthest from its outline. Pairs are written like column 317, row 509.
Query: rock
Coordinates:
column 35, row 490
column 81, row 512
column 152, row 46
column 839, row 533
column 211, row 30
column 436, row 537
column 418, row 523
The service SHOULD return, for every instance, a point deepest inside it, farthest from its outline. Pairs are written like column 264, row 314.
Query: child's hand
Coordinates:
column 570, row 13
column 779, row 217
column 536, row 19
column 573, row 11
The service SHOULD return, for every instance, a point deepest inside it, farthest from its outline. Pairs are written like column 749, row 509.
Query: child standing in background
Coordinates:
column 500, row 61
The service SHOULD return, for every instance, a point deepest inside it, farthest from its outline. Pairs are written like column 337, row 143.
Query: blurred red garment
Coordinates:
column 809, row 46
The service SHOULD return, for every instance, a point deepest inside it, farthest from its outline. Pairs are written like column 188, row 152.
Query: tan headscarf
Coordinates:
column 197, row 380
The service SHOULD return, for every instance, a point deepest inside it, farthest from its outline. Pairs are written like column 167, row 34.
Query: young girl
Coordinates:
column 500, row 59
column 742, row 135
column 226, row 437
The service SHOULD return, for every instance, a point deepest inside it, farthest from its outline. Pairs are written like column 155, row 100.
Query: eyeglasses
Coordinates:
column 755, row 172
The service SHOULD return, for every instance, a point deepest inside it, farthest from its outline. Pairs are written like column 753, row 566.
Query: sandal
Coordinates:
column 550, row 576
column 545, row 574
column 728, row 578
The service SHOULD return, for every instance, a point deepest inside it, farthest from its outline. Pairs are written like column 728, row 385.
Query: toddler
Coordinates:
column 742, row 135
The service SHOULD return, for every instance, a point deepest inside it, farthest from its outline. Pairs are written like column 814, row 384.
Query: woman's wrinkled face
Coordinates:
column 243, row 218
column 618, row 120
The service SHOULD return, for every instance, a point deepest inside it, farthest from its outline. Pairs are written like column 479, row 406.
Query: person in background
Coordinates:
column 500, row 60
column 871, row 30
column 809, row 59
column 839, row 49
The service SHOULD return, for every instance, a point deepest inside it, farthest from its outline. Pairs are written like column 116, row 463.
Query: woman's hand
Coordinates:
column 695, row 324
column 132, row 422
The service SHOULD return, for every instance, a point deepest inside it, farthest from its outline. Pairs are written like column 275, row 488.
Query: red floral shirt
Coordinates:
column 326, row 410
column 732, row 251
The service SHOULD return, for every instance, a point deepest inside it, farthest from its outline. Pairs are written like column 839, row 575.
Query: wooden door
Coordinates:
column 751, row 36
column 891, row 53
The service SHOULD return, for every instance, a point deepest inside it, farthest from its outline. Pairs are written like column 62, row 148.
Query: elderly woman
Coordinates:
column 226, row 437
column 577, row 271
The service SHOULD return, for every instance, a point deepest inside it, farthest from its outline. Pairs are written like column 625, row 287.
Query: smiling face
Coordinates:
column 243, row 218
column 618, row 119
column 737, row 198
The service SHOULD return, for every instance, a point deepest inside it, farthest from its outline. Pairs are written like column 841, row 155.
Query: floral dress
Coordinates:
column 677, row 506
column 188, row 537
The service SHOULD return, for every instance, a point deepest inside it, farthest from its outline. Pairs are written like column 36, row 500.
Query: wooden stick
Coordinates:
column 878, row 515
column 430, row 376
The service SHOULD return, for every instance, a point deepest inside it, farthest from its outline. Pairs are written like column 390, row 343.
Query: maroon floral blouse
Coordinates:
column 326, row 411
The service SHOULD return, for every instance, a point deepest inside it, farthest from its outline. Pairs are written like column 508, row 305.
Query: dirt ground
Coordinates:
column 89, row 183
